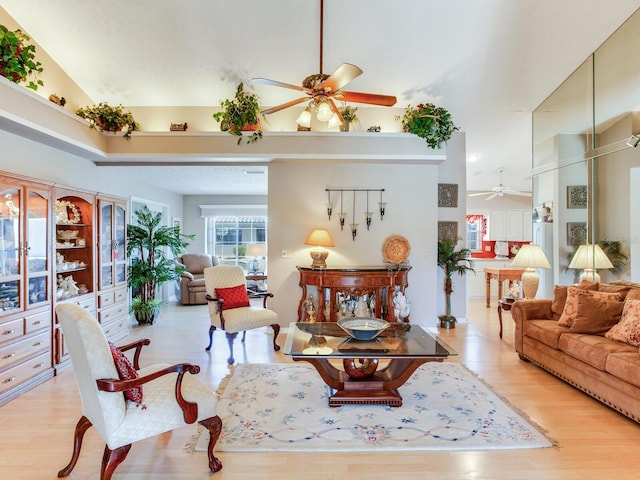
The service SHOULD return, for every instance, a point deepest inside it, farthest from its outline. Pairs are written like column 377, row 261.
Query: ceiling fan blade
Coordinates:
column 284, row 105
column 338, row 79
column 479, row 193
column 274, row 83
column 492, row 196
column 511, row 191
column 370, row 98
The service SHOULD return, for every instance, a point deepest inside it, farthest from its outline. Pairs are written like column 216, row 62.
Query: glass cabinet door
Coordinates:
column 106, row 244
column 10, row 248
column 37, row 260
column 120, row 232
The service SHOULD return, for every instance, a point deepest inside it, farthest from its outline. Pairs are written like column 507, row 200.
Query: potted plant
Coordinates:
column 17, row 58
column 427, row 121
column 349, row 116
column 109, row 119
column 241, row 113
column 149, row 243
column 452, row 261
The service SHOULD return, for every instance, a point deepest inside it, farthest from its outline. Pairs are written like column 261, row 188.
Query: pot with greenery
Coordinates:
column 349, row 116
column 17, row 58
column 241, row 113
column 106, row 118
column 452, row 261
column 149, row 243
column 427, row 121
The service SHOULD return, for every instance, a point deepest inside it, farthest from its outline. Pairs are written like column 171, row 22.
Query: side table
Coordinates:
column 505, row 305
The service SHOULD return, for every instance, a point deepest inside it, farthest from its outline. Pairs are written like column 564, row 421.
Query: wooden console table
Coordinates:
column 500, row 274
column 377, row 280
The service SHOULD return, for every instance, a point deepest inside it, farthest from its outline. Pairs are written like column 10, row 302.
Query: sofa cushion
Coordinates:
column 625, row 366
column 591, row 349
column 570, row 306
column 233, row 297
column 628, row 329
column 545, row 331
column 596, row 314
column 633, row 294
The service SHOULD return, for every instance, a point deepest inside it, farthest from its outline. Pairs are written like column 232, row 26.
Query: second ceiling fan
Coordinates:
column 323, row 89
column 500, row 190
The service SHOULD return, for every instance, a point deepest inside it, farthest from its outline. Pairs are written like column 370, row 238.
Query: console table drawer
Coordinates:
column 21, row 373
column 357, row 282
column 13, row 354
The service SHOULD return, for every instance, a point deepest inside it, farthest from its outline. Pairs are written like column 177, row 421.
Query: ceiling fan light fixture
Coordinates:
column 304, row 120
column 324, row 112
column 334, row 121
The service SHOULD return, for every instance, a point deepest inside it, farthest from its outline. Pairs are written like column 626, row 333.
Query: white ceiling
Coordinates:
column 489, row 62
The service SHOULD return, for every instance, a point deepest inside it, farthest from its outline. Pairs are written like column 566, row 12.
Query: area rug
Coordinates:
column 283, row 407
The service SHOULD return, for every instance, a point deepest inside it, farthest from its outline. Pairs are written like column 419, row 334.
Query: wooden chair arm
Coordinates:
column 138, row 344
column 189, row 409
column 264, row 296
column 220, row 303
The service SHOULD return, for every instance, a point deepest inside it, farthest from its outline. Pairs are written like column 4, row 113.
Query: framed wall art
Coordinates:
column 576, row 233
column 448, row 195
column 577, row 196
column 447, row 230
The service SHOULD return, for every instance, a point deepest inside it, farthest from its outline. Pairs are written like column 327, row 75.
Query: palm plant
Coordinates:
column 149, row 243
column 452, row 261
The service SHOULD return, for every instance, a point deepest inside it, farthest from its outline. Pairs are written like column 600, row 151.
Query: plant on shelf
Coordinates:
column 149, row 243
column 349, row 116
column 106, row 118
column 452, row 261
column 427, row 121
column 17, row 58
column 241, row 113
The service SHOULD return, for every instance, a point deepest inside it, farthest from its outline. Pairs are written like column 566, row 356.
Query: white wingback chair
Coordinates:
column 239, row 319
column 171, row 399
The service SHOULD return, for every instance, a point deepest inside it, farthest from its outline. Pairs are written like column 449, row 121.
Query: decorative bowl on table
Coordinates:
column 363, row 328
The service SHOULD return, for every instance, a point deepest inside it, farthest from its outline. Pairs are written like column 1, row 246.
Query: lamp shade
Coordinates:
column 319, row 238
column 590, row 258
column 256, row 250
column 530, row 257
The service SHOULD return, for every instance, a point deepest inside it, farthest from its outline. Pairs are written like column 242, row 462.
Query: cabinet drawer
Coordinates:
column 37, row 322
column 357, row 282
column 116, row 330
column 88, row 304
column 11, row 330
column 112, row 314
column 23, row 372
column 120, row 295
column 106, row 299
column 13, row 354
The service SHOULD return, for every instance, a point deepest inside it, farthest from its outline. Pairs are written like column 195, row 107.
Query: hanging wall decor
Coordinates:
column 448, row 195
column 342, row 215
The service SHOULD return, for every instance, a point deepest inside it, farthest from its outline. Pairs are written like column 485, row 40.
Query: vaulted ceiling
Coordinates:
column 489, row 62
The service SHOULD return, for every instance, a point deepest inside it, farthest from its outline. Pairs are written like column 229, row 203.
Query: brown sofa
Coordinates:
column 581, row 354
column 190, row 289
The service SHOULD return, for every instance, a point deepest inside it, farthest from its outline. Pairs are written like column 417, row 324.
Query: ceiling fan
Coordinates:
column 500, row 190
column 323, row 89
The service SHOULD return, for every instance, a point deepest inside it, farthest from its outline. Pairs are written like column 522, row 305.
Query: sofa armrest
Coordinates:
column 525, row 310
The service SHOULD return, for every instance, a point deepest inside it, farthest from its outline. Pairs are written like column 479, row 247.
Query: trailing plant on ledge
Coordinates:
column 106, row 118
column 427, row 121
column 17, row 58
column 241, row 113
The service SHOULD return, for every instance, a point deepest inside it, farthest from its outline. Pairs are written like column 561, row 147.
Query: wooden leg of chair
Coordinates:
column 111, row 459
column 81, row 427
column 211, row 330
column 214, row 425
column 230, row 338
column 276, row 331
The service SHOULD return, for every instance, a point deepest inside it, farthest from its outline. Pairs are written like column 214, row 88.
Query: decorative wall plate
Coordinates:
column 396, row 249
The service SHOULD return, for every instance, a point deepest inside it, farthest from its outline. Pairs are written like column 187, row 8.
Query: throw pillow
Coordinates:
column 559, row 299
column 126, row 372
column 596, row 314
column 569, row 310
column 633, row 294
column 627, row 330
column 233, row 297
column 622, row 289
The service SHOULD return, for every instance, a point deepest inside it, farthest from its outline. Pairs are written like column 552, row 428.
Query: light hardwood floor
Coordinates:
column 594, row 441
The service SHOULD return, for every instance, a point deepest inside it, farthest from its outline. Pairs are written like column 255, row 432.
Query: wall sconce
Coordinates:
column 530, row 257
column 343, row 215
column 590, row 258
column 319, row 238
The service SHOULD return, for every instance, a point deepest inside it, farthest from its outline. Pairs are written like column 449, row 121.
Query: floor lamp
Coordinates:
column 590, row 258
column 530, row 257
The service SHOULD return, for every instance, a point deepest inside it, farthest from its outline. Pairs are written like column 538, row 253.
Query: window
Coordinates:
column 228, row 237
column 476, row 228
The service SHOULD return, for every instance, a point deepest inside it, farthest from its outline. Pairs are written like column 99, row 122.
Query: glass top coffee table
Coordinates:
column 402, row 348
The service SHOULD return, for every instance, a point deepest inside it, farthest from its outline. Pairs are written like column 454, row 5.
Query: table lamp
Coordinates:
column 255, row 250
column 530, row 257
column 589, row 258
column 319, row 238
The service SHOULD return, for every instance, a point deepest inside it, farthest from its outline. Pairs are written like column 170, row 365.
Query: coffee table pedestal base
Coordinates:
column 363, row 396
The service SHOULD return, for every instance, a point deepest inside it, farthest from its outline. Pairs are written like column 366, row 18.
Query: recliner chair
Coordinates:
column 190, row 289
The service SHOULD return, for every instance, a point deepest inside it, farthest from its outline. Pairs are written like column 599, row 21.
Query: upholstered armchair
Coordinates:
column 158, row 399
column 191, row 289
column 230, row 309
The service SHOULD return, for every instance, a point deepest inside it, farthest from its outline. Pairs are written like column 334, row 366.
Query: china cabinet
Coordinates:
column 25, row 285
column 113, row 309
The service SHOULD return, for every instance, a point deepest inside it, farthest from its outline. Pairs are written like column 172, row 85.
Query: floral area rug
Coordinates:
column 283, row 407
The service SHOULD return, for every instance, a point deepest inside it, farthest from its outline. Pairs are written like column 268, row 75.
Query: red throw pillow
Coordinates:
column 233, row 297
column 126, row 372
